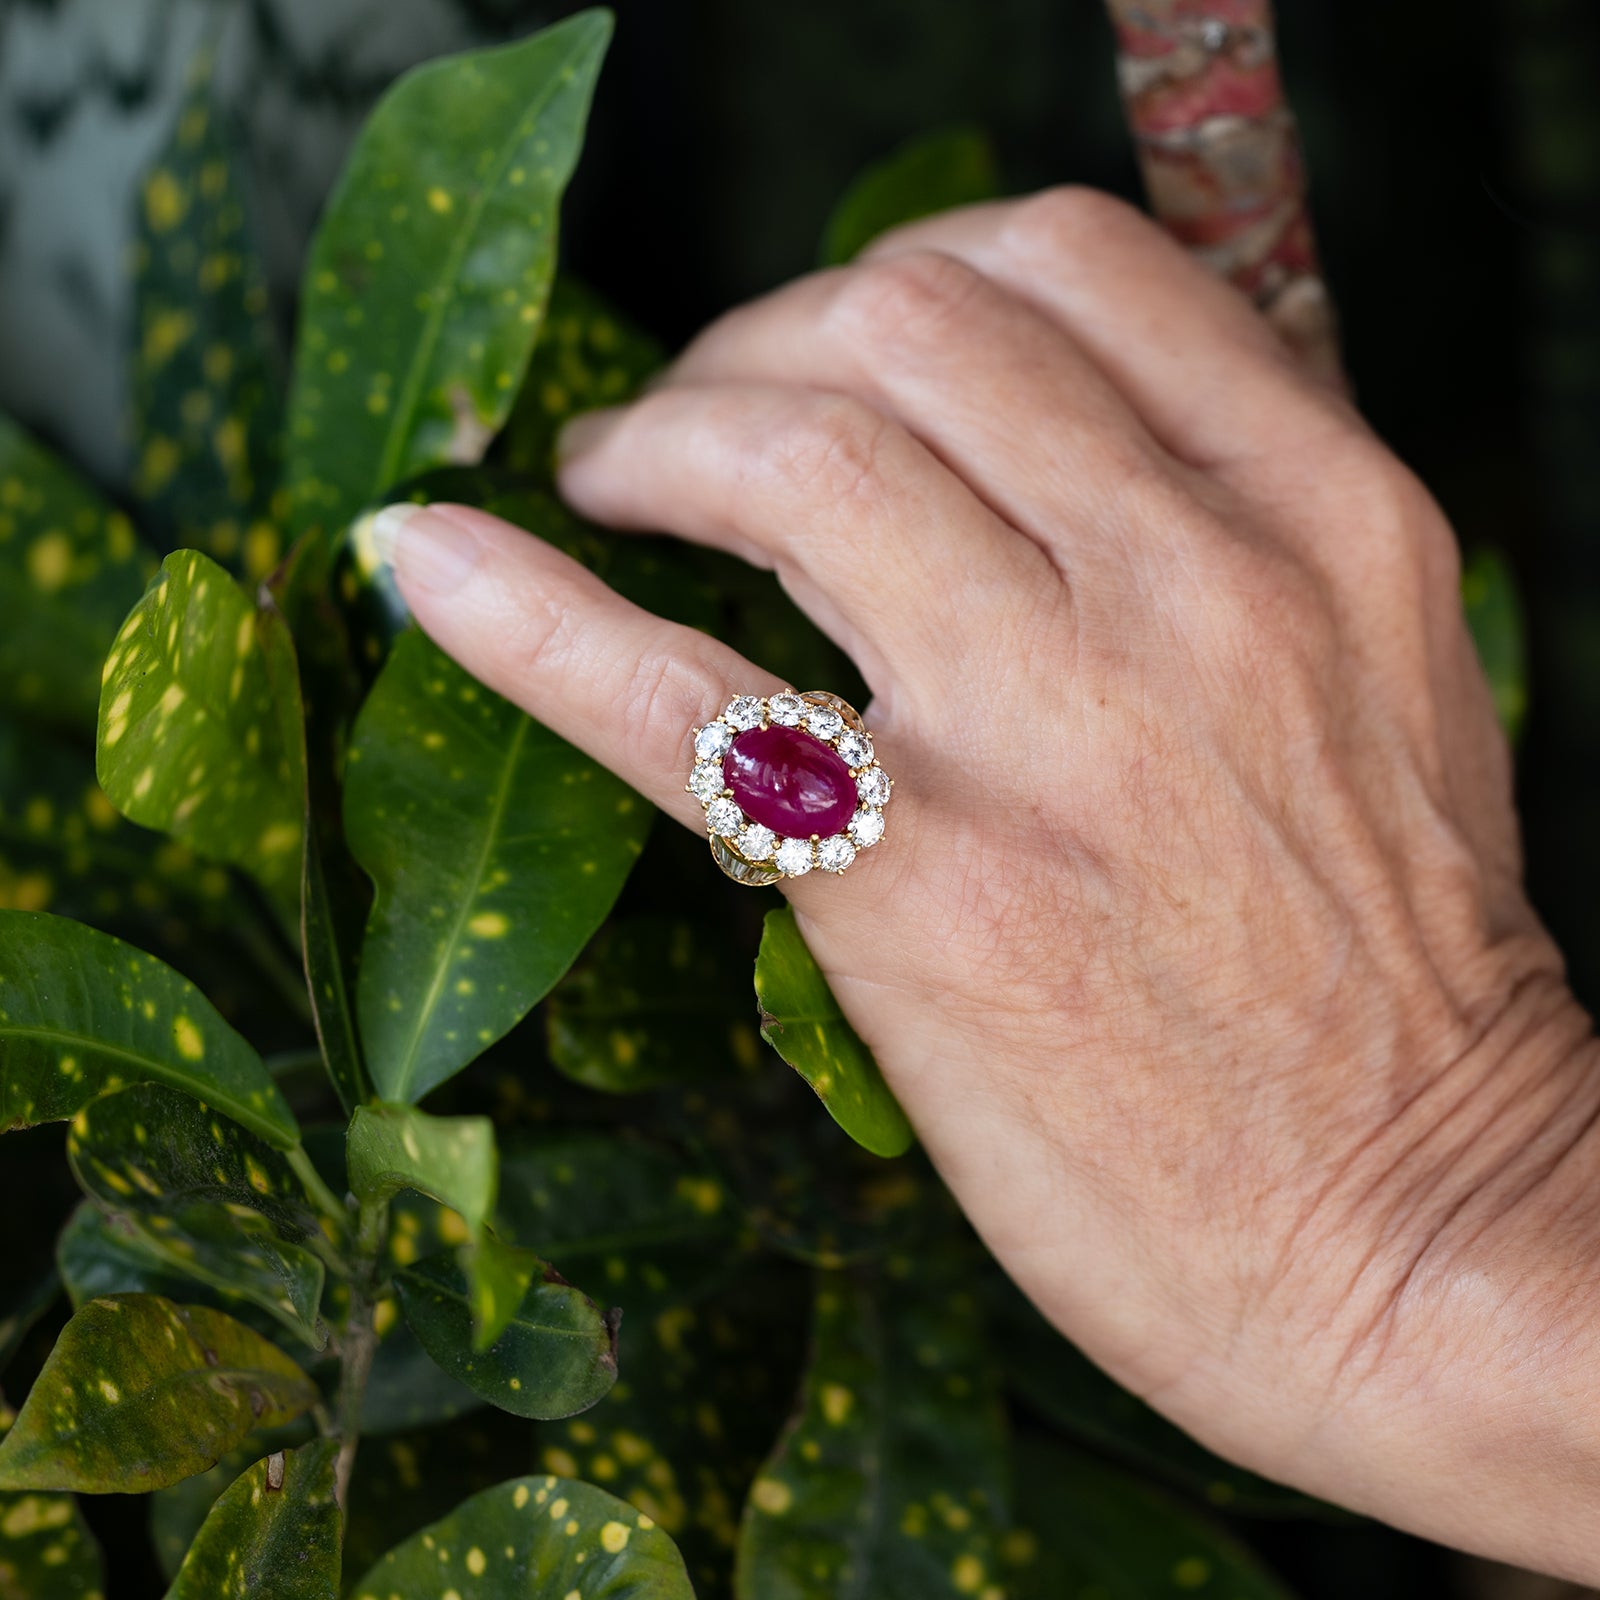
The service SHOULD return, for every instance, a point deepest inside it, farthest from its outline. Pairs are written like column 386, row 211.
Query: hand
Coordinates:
column 1196, row 950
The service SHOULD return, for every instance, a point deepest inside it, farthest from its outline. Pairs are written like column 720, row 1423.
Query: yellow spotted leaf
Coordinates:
column 429, row 273
column 82, row 1013
column 274, row 1533
column 139, row 1393
column 46, row 1549
column 496, row 850
column 192, row 740
column 207, row 406
column 70, row 567
column 535, row 1539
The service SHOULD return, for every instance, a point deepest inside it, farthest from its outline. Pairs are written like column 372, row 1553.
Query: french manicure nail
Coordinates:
column 427, row 550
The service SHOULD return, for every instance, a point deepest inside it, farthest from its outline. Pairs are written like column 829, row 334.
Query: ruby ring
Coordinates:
column 789, row 782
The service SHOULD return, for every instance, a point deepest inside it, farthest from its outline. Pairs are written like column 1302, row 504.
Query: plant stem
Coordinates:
column 315, row 1187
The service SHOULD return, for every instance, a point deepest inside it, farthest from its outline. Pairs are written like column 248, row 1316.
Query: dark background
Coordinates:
column 1454, row 151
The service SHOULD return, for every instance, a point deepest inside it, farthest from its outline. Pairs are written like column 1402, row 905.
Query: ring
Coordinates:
column 789, row 782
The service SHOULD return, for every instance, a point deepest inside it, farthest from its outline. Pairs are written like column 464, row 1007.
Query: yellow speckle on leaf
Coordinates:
column 163, row 333
column 111, row 1392
column 489, row 925
column 164, row 201
column 520, row 1498
column 279, row 837
column 160, row 461
column 558, row 1506
column 440, row 201
column 836, row 1402
column 967, row 1574
column 1191, row 1572
column 476, row 1562
column 771, row 1496
column 50, row 560
column 562, row 1463
column 187, row 1038
column 614, row 1537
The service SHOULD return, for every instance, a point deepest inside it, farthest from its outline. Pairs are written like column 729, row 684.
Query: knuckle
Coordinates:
column 1068, row 219
column 892, row 300
column 829, row 450
column 669, row 692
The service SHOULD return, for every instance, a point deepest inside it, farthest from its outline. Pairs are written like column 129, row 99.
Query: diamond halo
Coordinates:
column 746, row 849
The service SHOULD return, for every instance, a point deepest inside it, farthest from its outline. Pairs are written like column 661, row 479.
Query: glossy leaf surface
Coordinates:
column 82, row 1013
column 535, row 1539
column 1085, row 1528
column 140, row 1392
column 70, row 567
column 646, row 1004
column 191, row 741
column 451, row 1159
column 273, row 1534
column 801, row 1020
column 207, row 411
column 496, row 850
column 429, row 273
column 952, row 167
column 557, row 1355
column 46, row 1549
column 891, row 1481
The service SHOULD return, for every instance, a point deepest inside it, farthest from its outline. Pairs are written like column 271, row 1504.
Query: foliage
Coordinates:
column 375, row 1011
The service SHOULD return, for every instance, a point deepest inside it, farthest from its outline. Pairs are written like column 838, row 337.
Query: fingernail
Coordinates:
column 426, row 549
column 585, row 431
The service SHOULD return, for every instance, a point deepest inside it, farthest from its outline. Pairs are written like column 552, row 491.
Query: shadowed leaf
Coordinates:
column 273, row 1534
column 429, row 273
column 557, row 1355
column 891, row 1481
column 801, row 1020
column 46, row 1549
column 952, row 167
column 496, row 850
column 1494, row 614
column 139, row 1393
column 207, row 410
column 191, row 740
column 537, row 1537
column 82, row 1013
column 70, row 567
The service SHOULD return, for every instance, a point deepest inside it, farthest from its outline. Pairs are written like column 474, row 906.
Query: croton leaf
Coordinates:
column 70, row 567
column 429, row 273
column 323, row 941
column 588, row 355
column 557, row 1355
column 1085, row 1528
column 273, row 1534
column 802, row 1021
column 950, row 167
column 1064, row 1387
column 98, row 1253
column 82, row 1013
column 207, row 410
column 451, row 1159
column 140, row 1392
column 891, row 1481
column 191, row 737
column 46, row 1549
column 496, row 850
column 1494, row 614
column 407, row 1389
column 536, row 1539
column 647, row 1004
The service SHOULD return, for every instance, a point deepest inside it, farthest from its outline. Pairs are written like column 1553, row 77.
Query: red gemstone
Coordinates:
column 790, row 782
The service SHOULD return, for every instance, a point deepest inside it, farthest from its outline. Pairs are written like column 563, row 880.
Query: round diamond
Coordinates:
column 835, row 854
column 744, row 712
column 724, row 817
column 866, row 827
column 823, row 721
column 873, row 786
column 705, row 782
column 856, row 748
column 757, row 843
column 712, row 741
column 793, row 857
column 786, row 710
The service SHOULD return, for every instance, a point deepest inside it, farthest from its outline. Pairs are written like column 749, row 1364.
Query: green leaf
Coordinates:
column 207, row 409
column 140, row 1392
column 801, row 1020
column 1060, row 1383
column 70, row 567
column 951, row 167
column 588, row 355
column 647, row 1004
column 322, row 938
column 1086, row 1528
column 1494, row 615
column 536, row 1539
column 191, row 739
column 451, row 1159
column 891, row 1481
column 46, row 1549
column 274, row 1534
column 407, row 1389
column 430, row 270
column 496, row 850
column 556, row 1357
column 82, row 1013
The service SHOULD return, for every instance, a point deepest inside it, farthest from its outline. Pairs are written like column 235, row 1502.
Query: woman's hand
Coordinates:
column 1197, row 951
